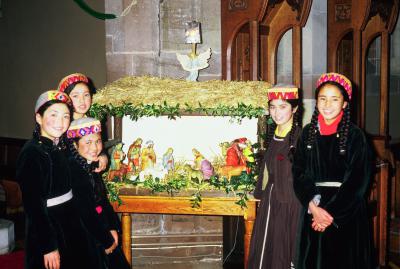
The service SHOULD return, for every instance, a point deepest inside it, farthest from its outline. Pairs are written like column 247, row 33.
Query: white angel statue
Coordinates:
column 193, row 63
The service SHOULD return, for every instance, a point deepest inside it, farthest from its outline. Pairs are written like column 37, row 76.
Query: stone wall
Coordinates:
column 145, row 42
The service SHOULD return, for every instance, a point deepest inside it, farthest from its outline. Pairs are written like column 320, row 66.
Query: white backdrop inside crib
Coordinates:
column 183, row 134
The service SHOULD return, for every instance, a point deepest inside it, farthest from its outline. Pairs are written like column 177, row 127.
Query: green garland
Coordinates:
column 240, row 185
column 148, row 110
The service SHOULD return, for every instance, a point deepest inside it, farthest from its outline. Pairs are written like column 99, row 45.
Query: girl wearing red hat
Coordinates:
column 274, row 233
column 331, row 171
column 55, row 237
column 80, row 89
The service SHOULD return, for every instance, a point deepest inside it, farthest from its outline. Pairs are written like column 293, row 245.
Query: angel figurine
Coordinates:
column 193, row 63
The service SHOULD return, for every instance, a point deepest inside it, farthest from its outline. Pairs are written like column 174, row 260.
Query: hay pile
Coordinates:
column 210, row 94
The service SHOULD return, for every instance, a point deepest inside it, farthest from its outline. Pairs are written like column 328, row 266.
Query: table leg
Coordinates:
column 248, row 229
column 127, row 236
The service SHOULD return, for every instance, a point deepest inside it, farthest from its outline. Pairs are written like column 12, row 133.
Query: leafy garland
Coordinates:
column 240, row 185
column 148, row 110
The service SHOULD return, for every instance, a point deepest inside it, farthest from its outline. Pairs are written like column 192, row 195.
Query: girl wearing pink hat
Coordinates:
column 90, row 193
column 55, row 237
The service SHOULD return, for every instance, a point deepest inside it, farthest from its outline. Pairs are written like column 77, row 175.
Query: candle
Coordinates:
column 192, row 33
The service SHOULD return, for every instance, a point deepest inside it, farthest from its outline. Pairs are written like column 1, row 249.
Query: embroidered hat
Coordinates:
column 284, row 92
column 83, row 126
column 70, row 79
column 338, row 78
column 51, row 95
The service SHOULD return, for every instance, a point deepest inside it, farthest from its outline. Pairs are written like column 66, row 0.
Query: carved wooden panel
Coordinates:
column 237, row 5
column 342, row 12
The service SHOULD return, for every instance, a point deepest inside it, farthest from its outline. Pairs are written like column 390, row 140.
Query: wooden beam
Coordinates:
column 254, row 51
column 297, row 55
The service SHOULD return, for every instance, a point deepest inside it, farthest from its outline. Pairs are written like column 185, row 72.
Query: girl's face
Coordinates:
column 281, row 112
column 81, row 99
column 330, row 102
column 55, row 121
column 90, row 146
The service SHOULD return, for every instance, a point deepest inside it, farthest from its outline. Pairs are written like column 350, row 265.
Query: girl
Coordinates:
column 274, row 235
column 81, row 91
column 90, row 193
column 331, row 174
column 55, row 239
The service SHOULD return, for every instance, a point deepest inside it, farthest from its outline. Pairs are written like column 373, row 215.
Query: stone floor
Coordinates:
column 197, row 265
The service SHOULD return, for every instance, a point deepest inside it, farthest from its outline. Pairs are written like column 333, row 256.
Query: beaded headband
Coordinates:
column 49, row 96
column 284, row 93
column 338, row 78
column 70, row 79
column 83, row 126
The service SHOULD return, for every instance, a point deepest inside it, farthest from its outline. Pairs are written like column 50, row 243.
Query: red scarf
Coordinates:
column 328, row 129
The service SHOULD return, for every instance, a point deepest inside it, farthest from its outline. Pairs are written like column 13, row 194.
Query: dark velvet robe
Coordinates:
column 273, row 241
column 346, row 244
column 43, row 173
column 90, row 193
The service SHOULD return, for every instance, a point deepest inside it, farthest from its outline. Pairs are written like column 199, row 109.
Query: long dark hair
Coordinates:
column 37, row 130
column 343, row 128
column 87, row 167
column 296, row 123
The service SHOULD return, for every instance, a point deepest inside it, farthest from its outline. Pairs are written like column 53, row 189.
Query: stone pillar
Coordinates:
column 145, row 42
column 314, row 54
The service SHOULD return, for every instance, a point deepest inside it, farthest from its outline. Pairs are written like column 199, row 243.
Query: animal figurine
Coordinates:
column 118, row 174
column 193, row 173
column 224, row 147
column 229, row 171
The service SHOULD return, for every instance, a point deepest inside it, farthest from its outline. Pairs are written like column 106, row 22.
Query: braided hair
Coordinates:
column 343, row 128
column 83, row 163
column 296, row 122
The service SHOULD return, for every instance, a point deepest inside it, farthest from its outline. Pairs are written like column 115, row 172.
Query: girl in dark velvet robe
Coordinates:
column 90, row 193
column 55, row 237
column 273, row 240
column 331, row 173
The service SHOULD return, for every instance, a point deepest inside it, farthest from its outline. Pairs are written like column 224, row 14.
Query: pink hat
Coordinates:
column 83, row 126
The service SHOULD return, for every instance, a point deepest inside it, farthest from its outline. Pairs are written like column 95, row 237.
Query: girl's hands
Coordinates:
column 115, row 244
column 110, row 249
column 103, row 161
column 321, row 218
column 115, row 236
column 52, row 260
